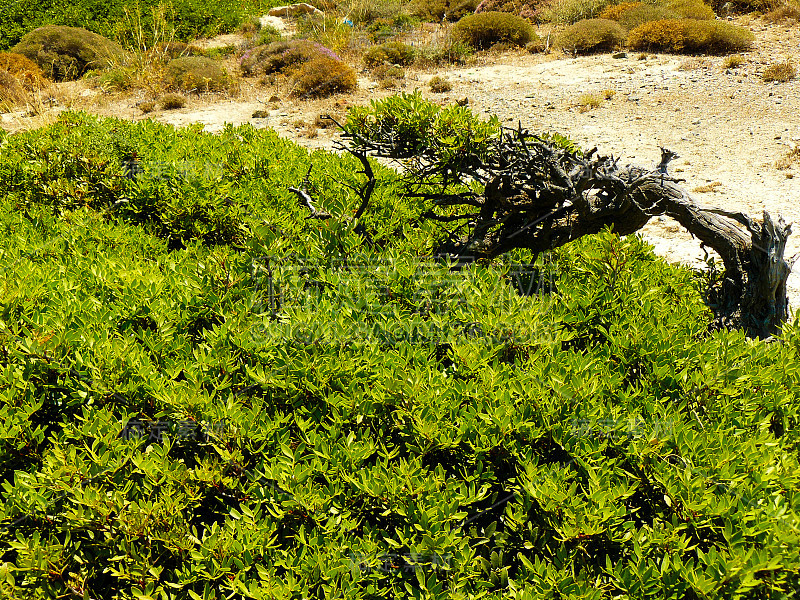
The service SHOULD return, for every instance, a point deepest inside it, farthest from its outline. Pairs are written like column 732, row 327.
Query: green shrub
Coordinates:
column 122, row 20
column 726, row 7
column 395, row 53
column 690, row 36
column 644, row 13
column 570, row 11
column 781, row 72
column 66, row 53
column 691, row 9
column 437, row 10
column 591, row 35
column 25, row 71
column 323, row 76
column 268, row 34
column 485, row 29
column 199, row 74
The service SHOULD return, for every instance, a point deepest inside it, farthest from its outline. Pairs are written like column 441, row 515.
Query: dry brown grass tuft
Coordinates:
column 25, row 71
column 587, row 102
column 324, row 76
column 440, row 85
column 705, row 189
column 172, row 101
column 780, row 72
column 734, row 61
column 787, row 12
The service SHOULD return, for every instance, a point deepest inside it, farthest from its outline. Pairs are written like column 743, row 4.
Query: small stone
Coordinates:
column 620, row 55
column 274, row 99
column 261, row 114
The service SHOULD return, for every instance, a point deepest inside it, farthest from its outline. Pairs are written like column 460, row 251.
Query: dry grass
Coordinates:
column 780, row 72
column 324, row 76
column 440, row 85
column 787, row 12
column 609, row 94
column 734, row 61
column 587, row 102
column 172, row 101
column 147, row 107
column 788, row 161
column 705, row 189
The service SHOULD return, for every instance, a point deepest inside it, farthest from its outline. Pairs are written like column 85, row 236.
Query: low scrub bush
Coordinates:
column 323, row 76
column 438, row 10
column 199, row 74
column 440, row 85
column 729, row 7
column 645, row 13
column 691, row 9
column 330, row 31
column 780, row 72
column 785, row 12
column 568, row 12
column 734, row 61
column 614, row 11
column 282, row 57
column 25, row 71
column 526, row 10
column 591, row 35
column 395, row 53
column 172, row 101
column 268, row 34
column 66, row 53
column 482, row 30
column 443, row 51
column 690, row 36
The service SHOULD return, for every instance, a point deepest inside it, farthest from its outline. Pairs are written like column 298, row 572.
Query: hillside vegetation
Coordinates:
column 206, row 394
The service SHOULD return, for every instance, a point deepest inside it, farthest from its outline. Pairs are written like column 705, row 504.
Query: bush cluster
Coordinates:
column 199, row 74
column 395, row 53
column 201, row 395
column 690, row 36
column 281, row 57
column 526, row 10
column 614, row 11
column 437, row 10
column 592, row 35
column 66, row 53
column 780, row 72
column 484, row 29
column 323, row 76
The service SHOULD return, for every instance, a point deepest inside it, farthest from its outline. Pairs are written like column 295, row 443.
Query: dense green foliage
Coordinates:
column 205, row 395
column 485, row 29
column 66, row 53
column 124, row 20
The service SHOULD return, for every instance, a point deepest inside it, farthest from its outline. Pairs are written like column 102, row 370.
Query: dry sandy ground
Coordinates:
column 728, row 126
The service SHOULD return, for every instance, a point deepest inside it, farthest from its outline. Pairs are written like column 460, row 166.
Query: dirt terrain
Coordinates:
column 730, row 129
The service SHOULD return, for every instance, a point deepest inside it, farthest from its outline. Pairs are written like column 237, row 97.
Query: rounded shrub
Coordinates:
column 198, row 74
column 526, row 10
column 66, row 53
column 395, row 53
column 484, row 29
column 438, row 10
column 690, row 36
column 26, row 72
column 645, row 13
column 692, row 9
column 614, row 11
column 324, row 76
column 592, row 35
column 282, row 57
